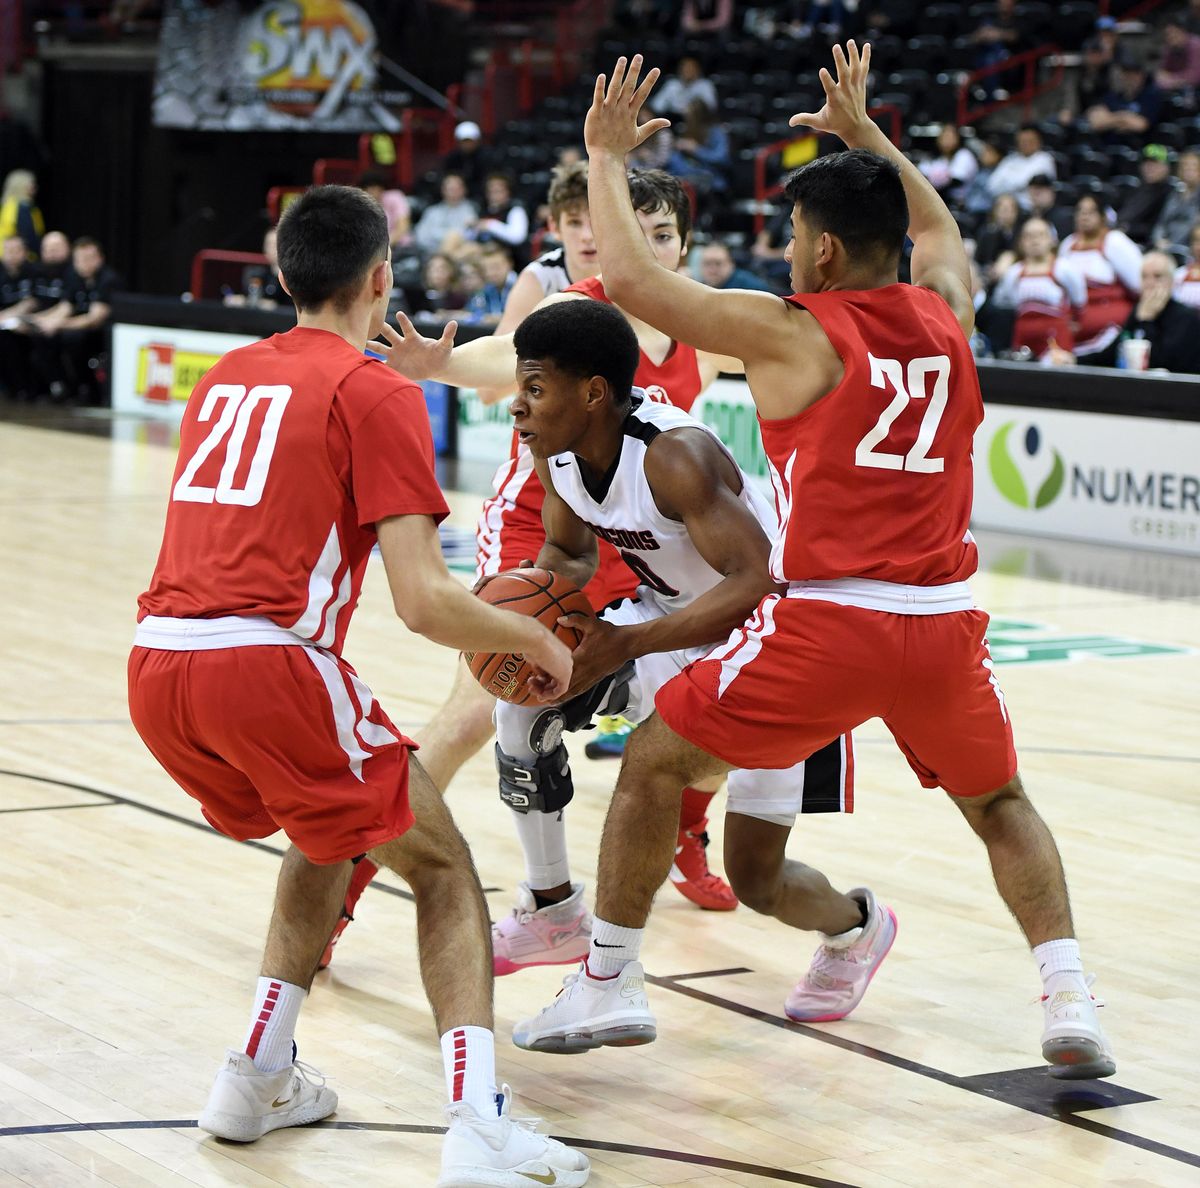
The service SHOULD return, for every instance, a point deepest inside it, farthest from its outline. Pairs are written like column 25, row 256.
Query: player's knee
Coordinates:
column 542, row 785
column 983, row 811
column 655, row 761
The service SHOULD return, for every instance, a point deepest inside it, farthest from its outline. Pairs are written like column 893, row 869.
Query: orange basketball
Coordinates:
column 543, row 596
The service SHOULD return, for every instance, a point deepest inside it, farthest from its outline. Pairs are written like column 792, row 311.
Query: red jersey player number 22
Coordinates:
column 926, row 379
column 234, row 429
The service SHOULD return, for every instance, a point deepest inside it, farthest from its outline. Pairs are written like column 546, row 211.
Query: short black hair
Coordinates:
column 656, row 189
column 328, row 240
column 583, row 338
column 856, row 196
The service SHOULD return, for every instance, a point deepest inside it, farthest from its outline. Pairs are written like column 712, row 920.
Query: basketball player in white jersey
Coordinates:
column 659, row 486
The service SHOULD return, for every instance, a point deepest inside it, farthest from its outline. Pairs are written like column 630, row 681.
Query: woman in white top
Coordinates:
column 953, row 167
column 1187, row 278
column 1111, row 264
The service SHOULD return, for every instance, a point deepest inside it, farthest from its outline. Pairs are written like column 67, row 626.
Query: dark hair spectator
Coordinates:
column 1140, row 211
column 952, row 166
column 503, row 218
column 700, row 155
column 995, row 38
column 1179, row 67
column 995, row 245
column 261, row 286
column 686, row 84
column 496, row 266
column 1132, row 105
column 441, row 289
column 1182, row 207
column 977, row 193
column 1092, row 82
column 719, row 270
column 1171, row 328
column 445, row 225
column 1041, row 200
column 1026, row 161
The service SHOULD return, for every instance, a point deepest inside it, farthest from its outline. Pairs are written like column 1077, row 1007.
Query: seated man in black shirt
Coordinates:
column 1172, row 328
column 16, row 303
column 51, row 271
column 68, row 335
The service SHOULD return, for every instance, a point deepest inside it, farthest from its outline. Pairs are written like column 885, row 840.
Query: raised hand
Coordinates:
column 612, row 121
column 411, row 353
column 845, row 110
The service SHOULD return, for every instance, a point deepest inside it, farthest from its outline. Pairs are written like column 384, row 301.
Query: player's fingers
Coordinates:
column 618, row 77
column 852, row 54
column 866, row 58
column 807, row 119
column 827, row 82
column 643, row 92
column 839, row 60
column 406, row 327
column 598, row 91
column 629, row 87
column 525, row 563
column 448, row 334
column 646, row 130
column 393, row 336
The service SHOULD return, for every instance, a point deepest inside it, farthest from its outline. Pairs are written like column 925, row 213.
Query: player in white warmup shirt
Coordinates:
column 659, row 486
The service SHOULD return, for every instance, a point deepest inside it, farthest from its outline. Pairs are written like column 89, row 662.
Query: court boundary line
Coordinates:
column 50, row 808
column 781, row 1175
column 672, row 983
column 1102, row 1129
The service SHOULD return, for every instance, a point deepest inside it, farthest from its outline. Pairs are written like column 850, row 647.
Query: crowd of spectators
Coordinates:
column 55, row 303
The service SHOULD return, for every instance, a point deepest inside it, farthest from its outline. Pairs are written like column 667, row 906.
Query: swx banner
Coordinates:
column 300, row 65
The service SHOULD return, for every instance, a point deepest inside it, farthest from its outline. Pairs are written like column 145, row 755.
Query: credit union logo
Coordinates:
column 1026, row 469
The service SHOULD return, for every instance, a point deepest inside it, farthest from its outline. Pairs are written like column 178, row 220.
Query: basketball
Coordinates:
column 542, row 595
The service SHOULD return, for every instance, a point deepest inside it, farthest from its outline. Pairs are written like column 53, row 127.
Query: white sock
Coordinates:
column 469, row 1058
column 273, row 1024
column 613, row 948
column 1058, row 957
column 543, row 838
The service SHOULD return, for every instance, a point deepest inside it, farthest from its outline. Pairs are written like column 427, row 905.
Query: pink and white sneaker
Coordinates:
column 843, row 966
column 556, row 935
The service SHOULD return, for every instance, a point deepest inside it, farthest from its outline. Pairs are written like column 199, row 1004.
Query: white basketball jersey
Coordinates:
column 657, row 549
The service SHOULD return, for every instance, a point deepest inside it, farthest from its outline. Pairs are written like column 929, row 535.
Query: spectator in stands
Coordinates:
column 977, row 194
column 685, row 85
column 1172, row 328
column 1044, row 291
column 1182, row 207
column 394, row 202
column 486, row 306
column 1140, row 211
column 16, row 304
column 52, row 270
column 504, row 219
column 995, row 38
column 770, row 247
column 1025, row 162
column 261, row 287
column 69, row 335
column 446, row 224
column 1092, row 82
column 1041, row 201
column 441, row 291
column 952, row 167
column 1187, row 276
column 700, row 154
column 706, row 16
column 1179, row 68
column 1131, row 108
column 718, row 270
column 469, row 159
column 823, row 16
column 1112, row 266
column 996, row 243
column 19, row 214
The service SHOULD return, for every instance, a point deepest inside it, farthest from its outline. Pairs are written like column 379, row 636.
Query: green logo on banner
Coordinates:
column 1012, row 641
column 1025, row 469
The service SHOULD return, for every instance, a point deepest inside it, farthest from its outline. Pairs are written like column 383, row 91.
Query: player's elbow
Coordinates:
column 418, row 610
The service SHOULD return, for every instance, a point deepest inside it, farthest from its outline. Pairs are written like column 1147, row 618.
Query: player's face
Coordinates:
column 662, row 234
column 549, row 410
column 574, row 232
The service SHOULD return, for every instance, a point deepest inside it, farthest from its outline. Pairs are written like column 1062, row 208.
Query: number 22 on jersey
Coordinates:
column 230, row 431
column 887, row 373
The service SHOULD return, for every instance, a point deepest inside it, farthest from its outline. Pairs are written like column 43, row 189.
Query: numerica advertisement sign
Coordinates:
column 1132, row 481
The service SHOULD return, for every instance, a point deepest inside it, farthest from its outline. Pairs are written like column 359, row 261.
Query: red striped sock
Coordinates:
column 694, row 808
column 469, row 1057
column 273, row 1024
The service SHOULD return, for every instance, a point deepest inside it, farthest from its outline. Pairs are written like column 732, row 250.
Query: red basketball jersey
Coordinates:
column 676, row 380
column 874, row 480
column 290, row 450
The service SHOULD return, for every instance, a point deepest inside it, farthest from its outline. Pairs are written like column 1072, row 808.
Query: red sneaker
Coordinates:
column 691, row 877
column 364, row 871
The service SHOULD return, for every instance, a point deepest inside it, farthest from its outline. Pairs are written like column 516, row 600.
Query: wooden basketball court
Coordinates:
column 130, row 933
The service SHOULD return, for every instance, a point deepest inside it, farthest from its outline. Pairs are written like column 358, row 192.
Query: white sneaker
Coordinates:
column 1072, row 1043
column 244, row 1103
column 843, row 966
column 592, row 1012
column 556, row 935
column 505, row 1152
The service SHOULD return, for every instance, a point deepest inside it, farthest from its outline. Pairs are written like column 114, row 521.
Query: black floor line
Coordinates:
column 50, row 808
column 1098, row 1128
column 1070, row 1089
column 733, row 1165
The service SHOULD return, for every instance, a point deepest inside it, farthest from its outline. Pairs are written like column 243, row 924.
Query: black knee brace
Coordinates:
column 543, row 786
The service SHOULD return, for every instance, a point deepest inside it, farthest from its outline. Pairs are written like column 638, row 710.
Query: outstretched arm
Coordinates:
column 733, row 322
column 939, row 260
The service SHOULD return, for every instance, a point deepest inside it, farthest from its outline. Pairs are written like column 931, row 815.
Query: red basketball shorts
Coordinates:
column 803, row 671
column 509, row 533
column 275, row 737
